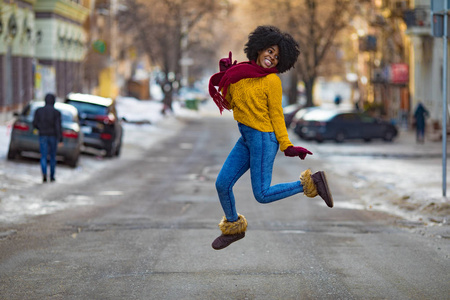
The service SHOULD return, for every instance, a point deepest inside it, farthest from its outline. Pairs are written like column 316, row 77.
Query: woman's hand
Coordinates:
column 297, row 151
column 226, row 63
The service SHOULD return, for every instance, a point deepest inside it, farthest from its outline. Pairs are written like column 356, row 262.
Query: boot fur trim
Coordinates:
column 228, row 228
column 309, row 187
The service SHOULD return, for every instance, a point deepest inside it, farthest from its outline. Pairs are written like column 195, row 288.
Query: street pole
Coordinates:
column 444, row 103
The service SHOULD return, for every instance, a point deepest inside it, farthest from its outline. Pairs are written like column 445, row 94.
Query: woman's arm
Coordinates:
column 275, row 93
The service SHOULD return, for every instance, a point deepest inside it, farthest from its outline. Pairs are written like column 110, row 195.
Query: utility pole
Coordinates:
column 439, row 10
column 444, row 104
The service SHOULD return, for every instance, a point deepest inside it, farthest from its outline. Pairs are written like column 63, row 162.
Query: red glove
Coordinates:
column 297, row 151
column 226, row 63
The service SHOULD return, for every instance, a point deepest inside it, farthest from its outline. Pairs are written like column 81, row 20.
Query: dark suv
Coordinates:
column 99, row 122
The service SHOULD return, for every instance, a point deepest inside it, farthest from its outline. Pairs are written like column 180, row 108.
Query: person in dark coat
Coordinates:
column 420, row 115
column 47, row 120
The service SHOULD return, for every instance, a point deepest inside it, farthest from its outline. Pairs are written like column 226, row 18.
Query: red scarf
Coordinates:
column 232, row 75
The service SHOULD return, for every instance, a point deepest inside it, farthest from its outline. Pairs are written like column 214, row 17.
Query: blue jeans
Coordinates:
column 48, row 146
column 255, row 150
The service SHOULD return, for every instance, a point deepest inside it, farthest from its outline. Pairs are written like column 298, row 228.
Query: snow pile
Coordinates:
column 17, row 177
column 402, row 178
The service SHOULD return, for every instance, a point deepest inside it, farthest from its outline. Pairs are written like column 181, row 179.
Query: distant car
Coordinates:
column 298, row 121
column 191, row 93
column 289, row 113
column 99, row 122
column 24, row 138
column 191, row 97
column 320, row 125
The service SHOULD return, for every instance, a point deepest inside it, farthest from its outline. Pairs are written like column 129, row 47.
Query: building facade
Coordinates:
column 427, row 58
column 42, row 47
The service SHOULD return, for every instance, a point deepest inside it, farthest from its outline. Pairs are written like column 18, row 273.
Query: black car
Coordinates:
column 99, row 122
column 321, row 124
column 24, row 138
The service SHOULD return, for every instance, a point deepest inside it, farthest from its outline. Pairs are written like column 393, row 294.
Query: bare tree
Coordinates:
column 317, row 31
column 315, row 25
column 164, row 30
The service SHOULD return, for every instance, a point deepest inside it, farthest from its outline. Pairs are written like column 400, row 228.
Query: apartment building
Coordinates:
column 42, row 46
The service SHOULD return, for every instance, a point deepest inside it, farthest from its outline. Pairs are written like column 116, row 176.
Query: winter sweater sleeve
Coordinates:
column 274, row 96
column 256, row 102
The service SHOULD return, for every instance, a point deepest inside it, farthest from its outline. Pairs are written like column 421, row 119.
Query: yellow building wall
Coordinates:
column 107, row 87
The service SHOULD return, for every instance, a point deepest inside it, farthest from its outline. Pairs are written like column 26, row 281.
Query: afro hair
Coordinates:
column 265, row 36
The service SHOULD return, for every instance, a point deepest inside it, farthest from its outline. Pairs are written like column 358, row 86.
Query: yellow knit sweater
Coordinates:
column 256, row 103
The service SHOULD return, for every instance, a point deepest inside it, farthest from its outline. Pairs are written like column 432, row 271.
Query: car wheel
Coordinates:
column 119, row 147
column 72, row 161
column 109, row 152
column 12, row 153
column 340, row 137
column 388, row 136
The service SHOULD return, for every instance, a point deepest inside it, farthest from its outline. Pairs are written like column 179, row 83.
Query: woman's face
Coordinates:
column 269, row 57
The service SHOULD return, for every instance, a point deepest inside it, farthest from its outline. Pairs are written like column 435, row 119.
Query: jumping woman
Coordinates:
column 252, row 90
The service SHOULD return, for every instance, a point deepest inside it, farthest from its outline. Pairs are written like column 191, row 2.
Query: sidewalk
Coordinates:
column 400, row 177
column 403, row 146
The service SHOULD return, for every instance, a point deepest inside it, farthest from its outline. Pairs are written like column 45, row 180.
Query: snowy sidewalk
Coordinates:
column 400, row 177
column 403, row 146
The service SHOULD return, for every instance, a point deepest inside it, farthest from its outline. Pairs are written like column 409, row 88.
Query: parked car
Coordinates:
column 24, row 138
column 321, row 124
column 191, row 97
column 191, row 93
column 99, row 122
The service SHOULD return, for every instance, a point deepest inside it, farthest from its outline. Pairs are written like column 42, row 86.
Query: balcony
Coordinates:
column 418, row 21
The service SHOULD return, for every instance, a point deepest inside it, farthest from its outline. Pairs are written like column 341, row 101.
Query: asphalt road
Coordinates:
column 147, row 231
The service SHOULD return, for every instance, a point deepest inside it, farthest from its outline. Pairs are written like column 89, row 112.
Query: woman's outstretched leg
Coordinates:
column 233, row 225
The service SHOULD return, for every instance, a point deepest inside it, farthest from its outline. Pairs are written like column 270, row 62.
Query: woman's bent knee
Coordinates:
column 260, row 198
column 221, row 186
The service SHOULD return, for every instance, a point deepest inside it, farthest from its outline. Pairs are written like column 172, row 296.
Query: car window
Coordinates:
column 346, row 118
column 339, row 118
column 319, row 115
column 66, row 116
column 350, row 117
column 366, row 118
column 28, row 112
column 302, row 113
column 89, row 108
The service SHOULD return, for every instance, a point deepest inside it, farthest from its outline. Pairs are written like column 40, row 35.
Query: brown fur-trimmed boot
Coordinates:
column 231, row 232
column 316, row 184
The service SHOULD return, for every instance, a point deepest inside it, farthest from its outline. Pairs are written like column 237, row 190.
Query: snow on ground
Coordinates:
column 402, row 178
column 144, row 120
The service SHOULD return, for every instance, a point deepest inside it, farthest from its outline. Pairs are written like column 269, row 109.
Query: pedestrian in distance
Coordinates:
column 337, row 100
column 47, row 120
column 252, row 90
column 420, row 115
